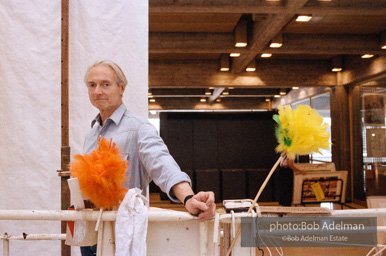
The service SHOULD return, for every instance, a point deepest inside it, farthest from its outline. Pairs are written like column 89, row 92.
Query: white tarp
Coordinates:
column 30, row 113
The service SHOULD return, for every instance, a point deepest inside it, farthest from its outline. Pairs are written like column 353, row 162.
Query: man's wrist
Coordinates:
column 187, row 198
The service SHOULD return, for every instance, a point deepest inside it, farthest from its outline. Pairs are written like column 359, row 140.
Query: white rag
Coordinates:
column 131, row 225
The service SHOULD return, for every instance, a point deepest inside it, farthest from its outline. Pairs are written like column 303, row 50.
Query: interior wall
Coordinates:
column 30, row 115
column 200, row 141
column 227, row 153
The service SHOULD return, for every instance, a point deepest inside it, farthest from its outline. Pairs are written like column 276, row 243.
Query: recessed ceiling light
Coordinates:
column 234, row 54
column 240, row 33
column 251, row 66
column 268, row 99
column 337, row 63
column 241, row 44
column 152, row 100
column 224, row 62
column 277, row 41
column 303, row 18
column 277, row 96
column 295, row 88
column 275, row 45
column 367, row 56
column 266, row 55
column 203, row 99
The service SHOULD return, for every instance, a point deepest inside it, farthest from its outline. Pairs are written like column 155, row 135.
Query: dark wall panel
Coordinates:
column 220, row 140
column 205, row 143
column 260, row 142
column 231, row 143
column 180, row 141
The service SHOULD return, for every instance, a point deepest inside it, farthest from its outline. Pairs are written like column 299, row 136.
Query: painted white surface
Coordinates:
column 30, row 114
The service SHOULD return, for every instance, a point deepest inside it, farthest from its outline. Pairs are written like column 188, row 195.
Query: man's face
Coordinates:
column 104, row 92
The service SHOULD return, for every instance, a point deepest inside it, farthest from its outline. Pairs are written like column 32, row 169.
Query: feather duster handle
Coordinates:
column 101, row 174
column 300, row 131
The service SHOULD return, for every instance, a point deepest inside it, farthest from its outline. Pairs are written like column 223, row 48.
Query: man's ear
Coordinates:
column 122, row 89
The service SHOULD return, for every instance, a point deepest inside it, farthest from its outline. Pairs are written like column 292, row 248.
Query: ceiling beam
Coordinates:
column 269, row 73
column 328, row 44
column 367, row 71
column 195, row 104
column 191, row 43
column 338, row 7
column 168, row 43
column 264, row 31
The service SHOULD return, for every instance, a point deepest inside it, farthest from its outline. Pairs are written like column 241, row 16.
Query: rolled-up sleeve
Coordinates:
column 157, row 161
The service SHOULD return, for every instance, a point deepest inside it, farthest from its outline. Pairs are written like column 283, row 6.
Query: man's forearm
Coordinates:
column 181, row 190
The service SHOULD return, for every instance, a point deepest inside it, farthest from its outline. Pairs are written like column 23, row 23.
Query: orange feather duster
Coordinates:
column 101, row 174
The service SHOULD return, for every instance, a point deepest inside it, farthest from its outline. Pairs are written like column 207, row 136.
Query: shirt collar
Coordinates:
column 115, row 117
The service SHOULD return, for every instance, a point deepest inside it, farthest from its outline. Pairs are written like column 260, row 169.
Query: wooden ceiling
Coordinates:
column 187, row 38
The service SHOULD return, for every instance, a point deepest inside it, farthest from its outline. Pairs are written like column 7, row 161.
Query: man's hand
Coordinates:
column 202, row 205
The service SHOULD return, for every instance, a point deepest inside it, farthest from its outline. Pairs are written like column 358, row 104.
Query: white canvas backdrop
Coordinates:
column 30, row 136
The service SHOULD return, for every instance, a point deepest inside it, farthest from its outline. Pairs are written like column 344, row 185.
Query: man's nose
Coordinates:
column 98, row 89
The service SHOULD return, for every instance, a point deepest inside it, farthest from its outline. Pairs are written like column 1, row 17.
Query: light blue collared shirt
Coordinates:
column 147, row 154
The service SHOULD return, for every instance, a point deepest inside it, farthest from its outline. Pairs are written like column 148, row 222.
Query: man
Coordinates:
column 145, row 151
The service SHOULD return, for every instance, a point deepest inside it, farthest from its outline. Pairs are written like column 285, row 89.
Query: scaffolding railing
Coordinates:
column 157, row 215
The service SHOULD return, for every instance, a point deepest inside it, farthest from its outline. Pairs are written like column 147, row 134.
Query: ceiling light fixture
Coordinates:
column 367, row 56
column 268, row 99
column 152, row 100
column 224, row 62
column 203, row 99
column 208, row 92
column 337, row 64
column 234, row 54
column 218, row 100
column 251, row 66
column 277, row 41
column 240, row 34
column 303, row 18
column 383, row 40
column 295, row 88
column 225, row 92
column 283, row 92
column 266, row 55
column 277, row 96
